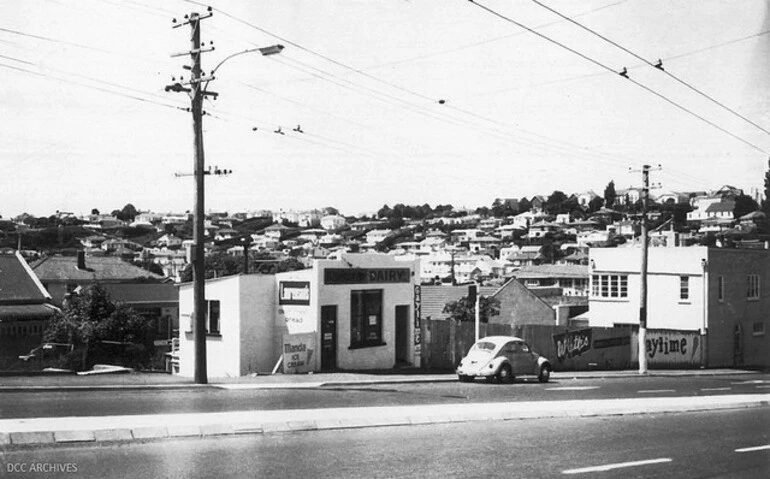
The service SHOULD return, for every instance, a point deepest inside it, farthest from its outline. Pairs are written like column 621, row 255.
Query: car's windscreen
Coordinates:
column 483, row 346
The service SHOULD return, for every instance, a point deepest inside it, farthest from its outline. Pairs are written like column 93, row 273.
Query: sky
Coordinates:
column 398, row 101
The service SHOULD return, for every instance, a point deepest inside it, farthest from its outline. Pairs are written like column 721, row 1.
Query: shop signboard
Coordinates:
column 367, row 275
column 298, row 351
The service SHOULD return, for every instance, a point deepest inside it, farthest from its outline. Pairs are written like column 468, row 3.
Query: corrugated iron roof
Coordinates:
column 105, row 268
column 18, row 282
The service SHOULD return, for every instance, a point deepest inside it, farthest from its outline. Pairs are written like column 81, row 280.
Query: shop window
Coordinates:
column 752, row 291
column 684, row 288
column 365, row 318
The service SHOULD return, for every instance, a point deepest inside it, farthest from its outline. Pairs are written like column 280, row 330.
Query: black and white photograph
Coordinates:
column 385, row 238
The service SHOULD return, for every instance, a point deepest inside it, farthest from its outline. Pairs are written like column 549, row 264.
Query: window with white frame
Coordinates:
column 609, row 286
column 752, row 291
column 684, row 288
column 758, row 329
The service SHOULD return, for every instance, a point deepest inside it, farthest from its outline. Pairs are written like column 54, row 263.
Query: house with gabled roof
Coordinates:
column 63, row 275
column 25, row 307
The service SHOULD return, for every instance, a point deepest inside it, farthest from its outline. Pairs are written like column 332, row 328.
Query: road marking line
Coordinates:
column 752, row 449
column 715, row 389
column 609, row 467
column 573, row 388
column 752, row 381
column 653, row 391
column 763, row 387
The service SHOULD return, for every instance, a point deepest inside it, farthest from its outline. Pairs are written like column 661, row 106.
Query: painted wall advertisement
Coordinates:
column 572, row 343
column 669, row 347
column 298, row 352
column 294, row 309
column 417, row 319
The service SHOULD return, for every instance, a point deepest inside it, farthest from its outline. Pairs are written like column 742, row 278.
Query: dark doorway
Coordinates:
column 329, row 338
column 402, row 335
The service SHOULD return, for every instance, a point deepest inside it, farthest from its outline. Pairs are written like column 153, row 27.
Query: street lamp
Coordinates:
column 197, row 90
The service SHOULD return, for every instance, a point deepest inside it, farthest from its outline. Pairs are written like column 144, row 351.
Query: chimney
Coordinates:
column 81, row 260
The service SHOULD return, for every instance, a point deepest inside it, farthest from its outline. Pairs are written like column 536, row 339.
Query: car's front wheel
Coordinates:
column 465, row 379
column 545, row 374
column 505, row 375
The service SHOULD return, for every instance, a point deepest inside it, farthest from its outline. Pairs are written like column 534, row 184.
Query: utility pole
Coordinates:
column 197, row 93
column 642, row 343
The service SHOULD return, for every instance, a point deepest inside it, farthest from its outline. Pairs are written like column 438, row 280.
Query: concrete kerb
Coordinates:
column 73, row 431
column 353, row 379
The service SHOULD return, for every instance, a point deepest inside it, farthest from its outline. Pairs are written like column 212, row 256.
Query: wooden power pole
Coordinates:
column 197, row 93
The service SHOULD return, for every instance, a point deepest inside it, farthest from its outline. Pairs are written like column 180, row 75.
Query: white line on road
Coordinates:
column 715, row 389
column 609, row 467
column 752, row 449
column 573, row 388
column 653, row 391
column 763, row 387
column 752, row 381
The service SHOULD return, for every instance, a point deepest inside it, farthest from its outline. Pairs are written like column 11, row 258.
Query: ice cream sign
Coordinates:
column 298, row 353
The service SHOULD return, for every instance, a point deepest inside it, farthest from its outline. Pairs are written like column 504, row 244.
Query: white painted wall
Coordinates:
column 258, row 300
column 378, row 357
column 664, row 308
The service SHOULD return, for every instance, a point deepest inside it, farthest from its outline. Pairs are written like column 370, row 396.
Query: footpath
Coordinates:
column 29, row 432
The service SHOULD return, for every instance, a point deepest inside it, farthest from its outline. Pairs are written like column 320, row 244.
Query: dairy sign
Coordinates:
column 367, row 275
column 298, row 353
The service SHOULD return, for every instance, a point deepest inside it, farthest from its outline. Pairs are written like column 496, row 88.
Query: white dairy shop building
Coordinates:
column 352, row 313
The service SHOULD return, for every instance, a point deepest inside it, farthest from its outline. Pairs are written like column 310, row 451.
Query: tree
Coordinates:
column 609, row 194
column 744, row 205
column 595, row 204
column 91, row 318
column 464, row 310
column 524, row 204
column 221, row 264
column 555, row 203
column 95, row 211
column 128, row 213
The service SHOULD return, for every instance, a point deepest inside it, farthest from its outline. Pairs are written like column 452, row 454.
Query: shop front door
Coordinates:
column 329, row 338
column 402, row 334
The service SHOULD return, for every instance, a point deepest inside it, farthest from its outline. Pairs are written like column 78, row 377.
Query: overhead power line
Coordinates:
column 543, row 140
column 658, row 66
column 622, row 73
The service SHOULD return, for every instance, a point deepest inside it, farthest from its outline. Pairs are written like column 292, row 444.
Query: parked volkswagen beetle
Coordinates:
column 501, row 359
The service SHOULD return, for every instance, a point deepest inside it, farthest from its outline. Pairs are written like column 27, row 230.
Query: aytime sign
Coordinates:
column 366, row 275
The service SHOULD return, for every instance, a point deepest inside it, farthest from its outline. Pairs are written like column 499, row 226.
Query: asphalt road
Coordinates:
column 692, row 445
column 126, row 402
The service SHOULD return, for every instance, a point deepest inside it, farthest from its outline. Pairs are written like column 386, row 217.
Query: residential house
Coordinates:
column 525, row 256
column 333, row 222
column 628, row 196
column 537, row 203
column 723, row 295
column 64, row 275
column 169, row 241
column 585, row 198
column 542, row 229
column 572, row 279
column 25, row 308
